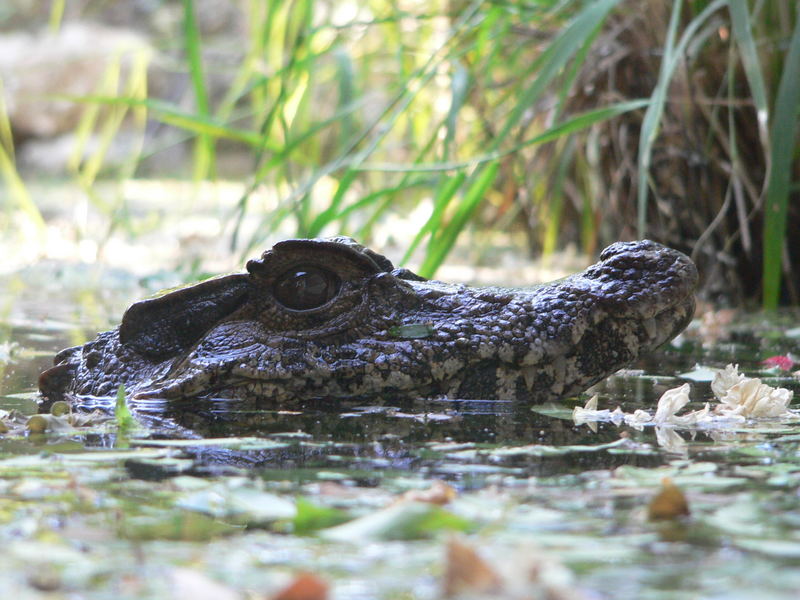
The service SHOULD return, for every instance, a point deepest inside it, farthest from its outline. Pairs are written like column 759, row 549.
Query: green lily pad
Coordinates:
column 400, row 521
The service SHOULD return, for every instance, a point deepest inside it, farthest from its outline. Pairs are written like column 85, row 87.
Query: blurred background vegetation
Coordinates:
column 556, row 121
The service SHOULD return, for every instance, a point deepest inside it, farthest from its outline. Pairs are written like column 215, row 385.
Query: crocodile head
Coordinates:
column 332, row 319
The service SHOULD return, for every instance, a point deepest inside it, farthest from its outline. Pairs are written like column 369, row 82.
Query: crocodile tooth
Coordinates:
column 650, row 327
column 529, row 374
column 559, row 374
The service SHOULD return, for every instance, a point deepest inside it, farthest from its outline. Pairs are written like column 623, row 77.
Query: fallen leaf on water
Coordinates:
column 438, row 493
column 45, row 422
column 311, row 517
column 399, row 521
column 466, row 571
column 305, row 586
column 522, row 573
column 668, row 503
column 671, row 402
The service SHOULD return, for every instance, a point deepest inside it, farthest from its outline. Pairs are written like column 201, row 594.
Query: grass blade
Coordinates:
column 172, row 115
column 447, row 191
column 553, row 60
column 742, row 32
column 440, row 245
column 204, row 147
column 56, row 15
column 556, row 204
column 782, row 145
column 18, row 192
column 652, row 118
column 572, row 125
column 459, row 88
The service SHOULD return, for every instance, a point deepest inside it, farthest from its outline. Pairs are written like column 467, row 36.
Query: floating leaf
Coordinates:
column 401, row 521
column 466, row 572
column 669, row 503
column 778, row 548
column 311, row 517
column 244, row 505
column 438, row 493
column 700, row 373
column 172, row 525
column 59, row 408
column 48, row 423
column 305, row 586
column 125, row 421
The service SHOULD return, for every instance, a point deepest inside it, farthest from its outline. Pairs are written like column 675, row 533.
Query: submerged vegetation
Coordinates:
column 569, row 121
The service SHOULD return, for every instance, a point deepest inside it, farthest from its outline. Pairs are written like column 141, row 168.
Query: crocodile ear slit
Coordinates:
column 164, row 326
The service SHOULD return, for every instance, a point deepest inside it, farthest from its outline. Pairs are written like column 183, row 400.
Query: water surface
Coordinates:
column 245, row 495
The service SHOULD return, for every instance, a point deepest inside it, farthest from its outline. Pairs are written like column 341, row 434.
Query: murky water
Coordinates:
column 222, row 489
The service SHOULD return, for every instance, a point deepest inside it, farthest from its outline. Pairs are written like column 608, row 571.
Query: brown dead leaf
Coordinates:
column 305, row 586
column 668, row 503
column 439, row 493
column 466, row 571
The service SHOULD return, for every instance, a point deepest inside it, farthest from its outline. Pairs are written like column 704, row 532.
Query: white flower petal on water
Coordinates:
column 670, row 440
column 581, row 414
column 589, row 413
column 638, row 419
column 693, row 418
column 617, row 416
column 740, row 398
column 752, row 398
column 671, row 402
column 779, row 399
column 725, row 379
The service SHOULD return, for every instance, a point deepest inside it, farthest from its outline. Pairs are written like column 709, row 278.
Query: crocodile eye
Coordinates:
column 304, row 288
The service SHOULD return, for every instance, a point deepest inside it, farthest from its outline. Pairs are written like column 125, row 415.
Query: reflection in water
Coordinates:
column 365, row 441
column 405, row 436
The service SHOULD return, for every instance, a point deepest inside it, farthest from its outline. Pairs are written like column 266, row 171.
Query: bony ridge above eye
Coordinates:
column 306, row 287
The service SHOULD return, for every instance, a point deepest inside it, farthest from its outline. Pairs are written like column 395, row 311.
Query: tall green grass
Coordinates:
column 782, row 152
column 19, row 198
column 464, row 106
column 776, row 123
column 356, row 106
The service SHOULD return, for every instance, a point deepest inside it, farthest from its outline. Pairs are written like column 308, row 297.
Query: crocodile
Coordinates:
column 329, row 318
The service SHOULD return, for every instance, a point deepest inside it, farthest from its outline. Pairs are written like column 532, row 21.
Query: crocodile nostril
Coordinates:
column 54, row 381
